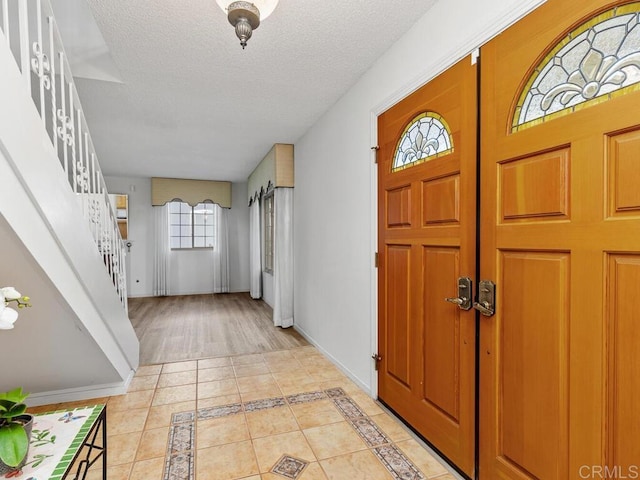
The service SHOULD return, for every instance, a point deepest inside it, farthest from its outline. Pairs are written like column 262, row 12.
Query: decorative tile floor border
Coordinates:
column 179, row 463
column 397, row 463
column 369, row 431
column 217, row 412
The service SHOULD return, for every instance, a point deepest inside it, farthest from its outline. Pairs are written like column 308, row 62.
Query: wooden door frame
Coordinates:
column 373, row 245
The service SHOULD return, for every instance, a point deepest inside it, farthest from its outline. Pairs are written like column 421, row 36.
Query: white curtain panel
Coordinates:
column 255, row 257
column 162, row 251
column 283, row 258
column 221, row 250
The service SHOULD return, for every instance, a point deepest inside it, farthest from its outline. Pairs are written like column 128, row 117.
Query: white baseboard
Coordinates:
column 335, row 361
column 80, row 393
column 177, row 294
column 140, row 295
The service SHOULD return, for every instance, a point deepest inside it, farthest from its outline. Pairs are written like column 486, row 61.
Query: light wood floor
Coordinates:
column 190, row 327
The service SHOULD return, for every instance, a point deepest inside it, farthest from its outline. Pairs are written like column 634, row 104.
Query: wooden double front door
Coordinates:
column 427, row 240
column 554, row 222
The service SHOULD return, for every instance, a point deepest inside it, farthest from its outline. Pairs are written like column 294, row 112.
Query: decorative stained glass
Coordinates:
column 426, row 137
column 595, row 62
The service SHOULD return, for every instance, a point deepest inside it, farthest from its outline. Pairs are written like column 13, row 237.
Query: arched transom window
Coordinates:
column 594, row 62
column 427, row 136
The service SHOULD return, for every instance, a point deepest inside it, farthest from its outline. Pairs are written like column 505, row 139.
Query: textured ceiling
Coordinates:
column 193, row 104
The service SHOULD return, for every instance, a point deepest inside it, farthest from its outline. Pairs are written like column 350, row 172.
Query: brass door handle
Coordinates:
column 456, row 300
column 463, row 300
column 484, row 308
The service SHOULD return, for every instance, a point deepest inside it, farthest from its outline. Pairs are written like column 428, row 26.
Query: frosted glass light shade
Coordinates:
column 266, row 7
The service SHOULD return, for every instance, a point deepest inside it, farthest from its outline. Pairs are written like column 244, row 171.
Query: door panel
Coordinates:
column 560, row 223
column 399, row 331
column 534, row 361
column 441, row 200
column 624, row 368
column 399, row 207
column 426, row 241
column 624, row 176
column 522, row 179
column 441, row 335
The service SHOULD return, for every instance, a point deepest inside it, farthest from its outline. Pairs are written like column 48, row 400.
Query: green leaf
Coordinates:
column 18, row 409
column 13, row 444
column 16, row 395
column 13, row 410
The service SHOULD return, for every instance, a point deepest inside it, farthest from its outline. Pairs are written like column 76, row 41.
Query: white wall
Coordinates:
column 335, row 195
column 189, row 275
column 48, row 349
column 239, row 280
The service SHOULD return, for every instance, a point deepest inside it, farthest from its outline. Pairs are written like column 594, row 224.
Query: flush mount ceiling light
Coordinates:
column 246, row 16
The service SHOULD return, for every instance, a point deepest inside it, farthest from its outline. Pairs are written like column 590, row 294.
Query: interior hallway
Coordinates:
column 190, row 327
column 283, row 414
column 281, row 411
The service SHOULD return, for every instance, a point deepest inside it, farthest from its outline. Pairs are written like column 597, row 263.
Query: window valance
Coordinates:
column 165, row 190
column 275, row 170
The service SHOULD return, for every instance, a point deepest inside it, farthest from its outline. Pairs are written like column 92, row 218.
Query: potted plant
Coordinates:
column 15, row 425
column 15, row 430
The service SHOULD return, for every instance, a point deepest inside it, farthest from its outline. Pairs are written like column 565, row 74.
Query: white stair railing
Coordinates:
column 30, row 30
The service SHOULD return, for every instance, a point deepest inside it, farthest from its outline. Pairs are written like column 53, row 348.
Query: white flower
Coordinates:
column 8, row 317
column 10, row 293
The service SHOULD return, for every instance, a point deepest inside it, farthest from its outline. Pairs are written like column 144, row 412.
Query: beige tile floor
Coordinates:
column 247, row 445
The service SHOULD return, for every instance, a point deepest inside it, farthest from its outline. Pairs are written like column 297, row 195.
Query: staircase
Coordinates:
column 59, row 238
